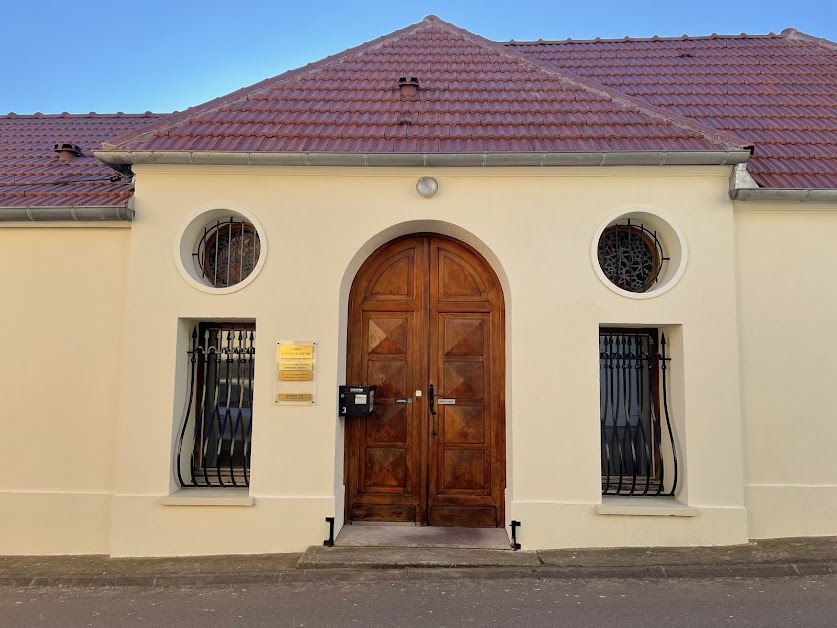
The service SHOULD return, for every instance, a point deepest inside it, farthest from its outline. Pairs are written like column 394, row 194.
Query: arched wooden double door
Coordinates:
column 427, row 310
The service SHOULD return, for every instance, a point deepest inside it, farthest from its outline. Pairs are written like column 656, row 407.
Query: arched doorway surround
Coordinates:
column 426, row 309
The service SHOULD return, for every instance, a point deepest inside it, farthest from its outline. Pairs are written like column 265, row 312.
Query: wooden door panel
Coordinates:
column 463, row 516
column 427, row 309
column 388, row 424
column 389, row 376
column 382, row 450
column 387, row 335
column 463, row 380
column 465, row 470
column 458, row 281
column 385, row 470
column 394, row 280
column 466, row 454
column 464, row 336
column 381, row 512
column 464, row 425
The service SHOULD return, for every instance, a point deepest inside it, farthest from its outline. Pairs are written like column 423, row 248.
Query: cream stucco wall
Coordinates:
column 62, row 292
column 536, row 226
column 787, row 309
column 96, row 319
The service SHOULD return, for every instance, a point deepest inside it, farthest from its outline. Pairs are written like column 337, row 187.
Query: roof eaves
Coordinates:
column 70, row 213
column 798, row 195
column 477, row 159
column 742, row 187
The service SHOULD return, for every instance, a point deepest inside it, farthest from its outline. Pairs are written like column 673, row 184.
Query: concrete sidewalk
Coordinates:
column 767, row 558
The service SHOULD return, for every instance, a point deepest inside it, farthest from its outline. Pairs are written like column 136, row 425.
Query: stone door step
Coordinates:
column 422, row 537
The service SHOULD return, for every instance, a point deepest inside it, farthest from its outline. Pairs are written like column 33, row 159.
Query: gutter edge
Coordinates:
column 483, row 159
column 742, row 187
column 71, row 213
column 798, row 195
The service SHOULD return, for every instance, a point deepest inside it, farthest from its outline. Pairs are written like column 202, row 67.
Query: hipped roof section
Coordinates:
column 778, row 91
column 475, row 96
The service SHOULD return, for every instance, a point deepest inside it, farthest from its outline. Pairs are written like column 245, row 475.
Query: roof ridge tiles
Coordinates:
column 92, row 114
column 653, row 38
column 795, row 35
column 131, row 139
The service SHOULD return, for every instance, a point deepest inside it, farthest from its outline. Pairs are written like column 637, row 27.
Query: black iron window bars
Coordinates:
column 214, row 446
column 631, row 256
column 227, row 252
column 638, row 449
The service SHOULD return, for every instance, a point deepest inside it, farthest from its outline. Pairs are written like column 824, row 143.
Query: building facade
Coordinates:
column 620, row 306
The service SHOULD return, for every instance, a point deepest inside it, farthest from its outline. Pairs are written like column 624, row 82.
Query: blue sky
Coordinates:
column 79, row 56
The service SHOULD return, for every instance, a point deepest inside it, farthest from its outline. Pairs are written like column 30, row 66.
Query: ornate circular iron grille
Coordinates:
column 630, row 256
column 227, row 252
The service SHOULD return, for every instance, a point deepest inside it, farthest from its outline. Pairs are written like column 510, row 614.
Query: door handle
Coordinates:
column 431, row 402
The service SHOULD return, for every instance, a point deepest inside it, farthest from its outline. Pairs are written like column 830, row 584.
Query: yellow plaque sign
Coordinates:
column 296, row 365
column 295, row 397
column 296, row 376
column 296, row 352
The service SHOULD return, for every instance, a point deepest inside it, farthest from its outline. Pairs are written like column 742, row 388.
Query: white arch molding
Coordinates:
column 364, row 251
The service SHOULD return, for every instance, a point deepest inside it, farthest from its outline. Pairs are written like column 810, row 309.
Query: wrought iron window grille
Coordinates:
column 214, row 444
column 227, row 252
column 631, row 256
column 638, row 447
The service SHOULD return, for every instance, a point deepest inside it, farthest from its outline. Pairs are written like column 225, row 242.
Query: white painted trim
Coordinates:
column 790, row 485
column 209, row 497
column 645, row 506
column 38, row 491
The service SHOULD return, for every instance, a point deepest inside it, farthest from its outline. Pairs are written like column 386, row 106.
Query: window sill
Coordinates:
column 645, row 506
column 209, row 497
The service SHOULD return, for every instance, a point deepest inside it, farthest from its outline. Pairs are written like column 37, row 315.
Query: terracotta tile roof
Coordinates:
column 31, row 174
column 777, row 91
column 475, row 96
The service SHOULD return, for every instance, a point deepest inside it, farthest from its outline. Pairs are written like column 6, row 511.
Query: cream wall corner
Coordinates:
column 63, row 299
column 787, row 309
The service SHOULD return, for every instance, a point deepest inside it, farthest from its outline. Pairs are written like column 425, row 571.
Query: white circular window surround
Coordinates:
column 197, row 230
column 661, row 233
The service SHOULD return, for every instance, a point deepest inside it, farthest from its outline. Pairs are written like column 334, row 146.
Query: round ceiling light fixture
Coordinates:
column 427, row 186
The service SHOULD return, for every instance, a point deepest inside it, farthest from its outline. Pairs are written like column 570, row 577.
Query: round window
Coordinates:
column 220, row 250
column 639, row 254
column 630, row 256
column 228, row 252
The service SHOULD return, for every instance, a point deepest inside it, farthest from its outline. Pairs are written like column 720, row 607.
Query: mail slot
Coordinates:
column 356, row 400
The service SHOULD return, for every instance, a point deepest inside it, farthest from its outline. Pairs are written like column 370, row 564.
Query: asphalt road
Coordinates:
column 804, row 602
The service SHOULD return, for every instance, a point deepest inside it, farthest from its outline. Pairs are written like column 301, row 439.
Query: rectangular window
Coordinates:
column 638, row 455
column 216, row 434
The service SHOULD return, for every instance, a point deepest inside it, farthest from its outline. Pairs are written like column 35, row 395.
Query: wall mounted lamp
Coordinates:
column 427, row 186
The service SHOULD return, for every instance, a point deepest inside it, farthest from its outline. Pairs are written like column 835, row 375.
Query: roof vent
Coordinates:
column 408, row 87
column 67, row 151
